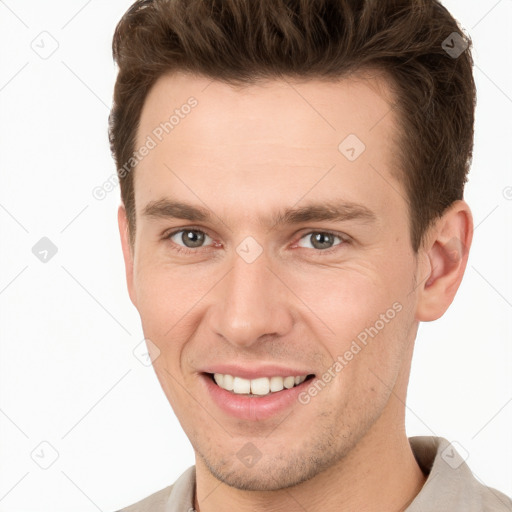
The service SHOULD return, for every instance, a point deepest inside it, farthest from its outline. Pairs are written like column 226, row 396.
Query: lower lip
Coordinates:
column 253, row 408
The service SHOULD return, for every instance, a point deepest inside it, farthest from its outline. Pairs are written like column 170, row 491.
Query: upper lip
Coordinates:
column 255, row 371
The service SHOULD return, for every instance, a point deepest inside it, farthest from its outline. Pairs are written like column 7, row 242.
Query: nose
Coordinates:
column 251, row 303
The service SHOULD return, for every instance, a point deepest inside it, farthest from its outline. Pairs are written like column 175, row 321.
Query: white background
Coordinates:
column 68, row 374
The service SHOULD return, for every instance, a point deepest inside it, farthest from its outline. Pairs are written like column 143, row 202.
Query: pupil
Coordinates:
column 192, row 238
column 322, row 239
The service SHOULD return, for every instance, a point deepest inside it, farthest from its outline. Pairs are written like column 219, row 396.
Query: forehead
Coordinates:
column 267, row 136
column 326, row 109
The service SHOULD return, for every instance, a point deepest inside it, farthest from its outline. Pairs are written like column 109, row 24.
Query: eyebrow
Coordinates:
column 329, row 210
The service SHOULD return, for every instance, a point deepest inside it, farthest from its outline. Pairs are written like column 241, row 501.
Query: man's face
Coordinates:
column 239, row 293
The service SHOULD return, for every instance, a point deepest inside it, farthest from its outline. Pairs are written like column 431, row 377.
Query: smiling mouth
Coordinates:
column 261, row 386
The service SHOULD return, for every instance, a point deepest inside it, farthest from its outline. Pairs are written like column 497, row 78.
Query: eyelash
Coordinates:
column 185, row 250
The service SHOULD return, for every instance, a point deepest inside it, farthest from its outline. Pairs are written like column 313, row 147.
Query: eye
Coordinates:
column 191, row 240
column 188, row 238
column 322, row 240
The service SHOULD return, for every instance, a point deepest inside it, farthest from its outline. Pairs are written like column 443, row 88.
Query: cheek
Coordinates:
column 166, row 295
column 360, row 315
column 166, row 305
column 171, row 303
column 343, row 301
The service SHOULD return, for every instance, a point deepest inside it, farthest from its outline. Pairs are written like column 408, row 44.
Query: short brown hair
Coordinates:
column 241, row 41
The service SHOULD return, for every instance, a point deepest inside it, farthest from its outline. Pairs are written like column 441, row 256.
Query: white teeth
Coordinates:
column 261, row 386
column 241, row 386
column 276, row 384
column 227, row 382
column 289, row 382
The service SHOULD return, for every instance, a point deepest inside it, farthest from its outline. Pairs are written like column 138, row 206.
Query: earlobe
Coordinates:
column 447, row 252
column 127, row 251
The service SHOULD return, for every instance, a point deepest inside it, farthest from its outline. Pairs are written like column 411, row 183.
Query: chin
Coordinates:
column 270, row 474
column 261, row 480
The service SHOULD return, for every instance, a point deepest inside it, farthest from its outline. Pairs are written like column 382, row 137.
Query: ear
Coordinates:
column 447, row 252
column 127, row 251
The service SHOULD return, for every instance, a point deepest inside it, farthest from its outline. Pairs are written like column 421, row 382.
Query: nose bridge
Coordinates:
column 250, row 304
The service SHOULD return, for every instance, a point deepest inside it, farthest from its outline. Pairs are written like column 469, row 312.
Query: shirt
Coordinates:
column 450, row 486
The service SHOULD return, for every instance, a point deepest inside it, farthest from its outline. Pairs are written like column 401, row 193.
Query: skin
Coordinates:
column 245, row 154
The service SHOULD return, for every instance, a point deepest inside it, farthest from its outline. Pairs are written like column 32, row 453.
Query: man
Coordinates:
column 292, row 179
